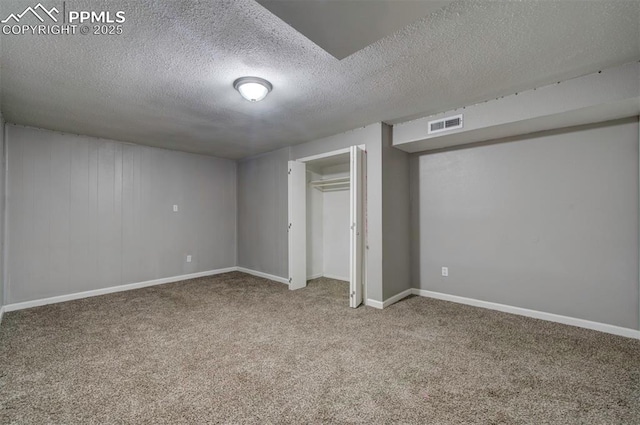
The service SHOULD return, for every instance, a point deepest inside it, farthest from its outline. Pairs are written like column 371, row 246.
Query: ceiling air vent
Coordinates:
column 445, row 124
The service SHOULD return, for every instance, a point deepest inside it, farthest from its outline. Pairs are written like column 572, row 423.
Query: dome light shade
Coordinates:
column 253, row 89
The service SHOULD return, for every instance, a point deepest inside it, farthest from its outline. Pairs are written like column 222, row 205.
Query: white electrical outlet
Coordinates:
column 175, row 208
column 188, row 258
column 445, row 271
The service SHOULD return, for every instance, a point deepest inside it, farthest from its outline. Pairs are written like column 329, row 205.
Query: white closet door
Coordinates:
column 297, row 225
column 357, row 227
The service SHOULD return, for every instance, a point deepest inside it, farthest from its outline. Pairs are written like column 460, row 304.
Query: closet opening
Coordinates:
column 327, row 222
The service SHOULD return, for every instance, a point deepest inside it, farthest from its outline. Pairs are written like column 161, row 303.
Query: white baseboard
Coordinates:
column 264, row 275
column 314, row 276
column 572, row 321
column 375, row 304
column 332, row 276
column 398, row 297
column 391, row 300
column 112, row 289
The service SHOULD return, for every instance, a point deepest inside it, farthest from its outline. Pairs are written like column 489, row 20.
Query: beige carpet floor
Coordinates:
column 239, row 349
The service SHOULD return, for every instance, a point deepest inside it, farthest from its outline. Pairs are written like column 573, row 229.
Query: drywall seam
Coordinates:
column 263, row 275
column 565, row 320
column 112, row 289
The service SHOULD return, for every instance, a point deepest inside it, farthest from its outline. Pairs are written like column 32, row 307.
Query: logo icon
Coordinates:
column 39, row 6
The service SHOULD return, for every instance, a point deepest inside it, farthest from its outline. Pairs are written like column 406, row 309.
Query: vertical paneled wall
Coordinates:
column 86, row 213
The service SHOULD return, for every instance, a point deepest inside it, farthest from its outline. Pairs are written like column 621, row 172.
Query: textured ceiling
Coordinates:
column 167, row 81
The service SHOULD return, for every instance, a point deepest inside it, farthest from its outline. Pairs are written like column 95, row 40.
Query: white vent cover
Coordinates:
column 445, row 124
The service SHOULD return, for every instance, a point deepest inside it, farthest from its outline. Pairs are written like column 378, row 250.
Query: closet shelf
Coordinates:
column 331, row 185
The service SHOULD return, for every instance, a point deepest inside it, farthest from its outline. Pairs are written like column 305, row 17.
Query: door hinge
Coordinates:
column 353, row 294
column 290, row 279
column 289, row 172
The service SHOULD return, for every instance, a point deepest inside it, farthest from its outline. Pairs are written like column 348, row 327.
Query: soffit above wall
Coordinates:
column 344, row 27
column 603, row 96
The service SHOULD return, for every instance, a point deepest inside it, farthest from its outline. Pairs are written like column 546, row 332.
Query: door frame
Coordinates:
column 365, row 237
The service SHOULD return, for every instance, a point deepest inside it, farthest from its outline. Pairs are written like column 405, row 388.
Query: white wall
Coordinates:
column 315, row 236
column 87, row 213
column 328, row 227
column 335, row 219
column 336, row 234
column 546, row 222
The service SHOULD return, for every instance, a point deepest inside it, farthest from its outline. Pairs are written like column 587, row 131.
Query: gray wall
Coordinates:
column 396, row 231
column 86, row 213
column 547, row 222
column 262, row 213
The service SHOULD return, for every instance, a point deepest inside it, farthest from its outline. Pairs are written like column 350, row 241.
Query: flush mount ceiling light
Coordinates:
column 253, row 89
